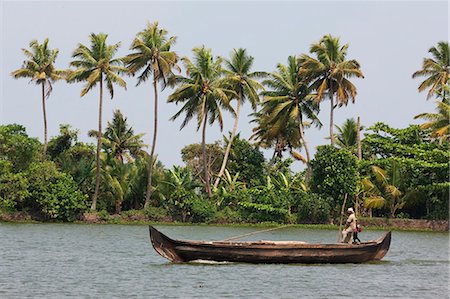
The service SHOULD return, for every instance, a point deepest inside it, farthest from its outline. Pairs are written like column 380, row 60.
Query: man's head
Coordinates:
column 350, row 211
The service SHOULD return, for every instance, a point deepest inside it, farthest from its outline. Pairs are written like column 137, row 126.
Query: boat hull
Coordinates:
column 268, row 251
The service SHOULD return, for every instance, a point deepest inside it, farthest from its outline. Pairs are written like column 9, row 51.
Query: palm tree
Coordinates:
column 438, row 122
column 289, row 100
column 119, row 139
column 97, row 65
column 346, row 137
column 242, row 81
column 385, row 191
column 153, row 56
column 40, row 69
column 280, row 135
column 436, row 70
column 330, row 74
column 203, row 94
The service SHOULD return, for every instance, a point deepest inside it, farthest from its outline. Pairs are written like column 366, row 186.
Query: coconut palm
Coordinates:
column 330, row 74
column 288, row 100
column 39, row 67
column 153, row 56
column 240, row 79
column 203, row 95
column 280, row 135
column 119, row 139
column 436, row 70
column 438, row 122
column 347, row 135
column 96, row 64
column 386, row 191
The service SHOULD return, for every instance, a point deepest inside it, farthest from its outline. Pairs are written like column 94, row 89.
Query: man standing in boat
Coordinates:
column 350, row 227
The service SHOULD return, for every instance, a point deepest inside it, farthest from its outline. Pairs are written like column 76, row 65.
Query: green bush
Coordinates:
column 227, row 215
column 104, row 215
column 52, row 194
column 156, row 213
column 313, row 208
column 13, row 190
column 201, row 209
column 254, row 212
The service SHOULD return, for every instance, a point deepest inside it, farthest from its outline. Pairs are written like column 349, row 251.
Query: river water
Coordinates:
column 117, row 261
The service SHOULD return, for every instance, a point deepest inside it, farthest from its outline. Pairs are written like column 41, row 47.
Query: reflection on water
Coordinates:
column 103, row 261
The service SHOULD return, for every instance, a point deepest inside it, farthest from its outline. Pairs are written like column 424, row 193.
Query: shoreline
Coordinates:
column 413, row 225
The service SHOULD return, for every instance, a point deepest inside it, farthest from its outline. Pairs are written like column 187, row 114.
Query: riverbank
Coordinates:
column 140, row 219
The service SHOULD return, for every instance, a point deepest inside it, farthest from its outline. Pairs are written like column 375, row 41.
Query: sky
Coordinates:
column 388, row 38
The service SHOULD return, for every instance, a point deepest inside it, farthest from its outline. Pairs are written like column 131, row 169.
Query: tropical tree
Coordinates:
column 96, row 64
column 153, row 56
column 330, row 73
column 436, row 70
column 39, row 67
column 385, row 191
column 347, row 136
column 438, row 122
column 278, row 135
column 119, row 139
column 288, row 100
column 242, row 81
column 203, row 94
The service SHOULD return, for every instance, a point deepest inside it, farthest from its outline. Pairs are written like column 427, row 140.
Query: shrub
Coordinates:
column 254, row 212
column 104, row 215
column 313, row 208
column 201, row 209
column 52, row 194
column 227, row 215
column 155, row 213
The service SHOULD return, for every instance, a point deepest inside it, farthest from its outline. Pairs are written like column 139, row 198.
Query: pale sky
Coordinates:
column 389, row 39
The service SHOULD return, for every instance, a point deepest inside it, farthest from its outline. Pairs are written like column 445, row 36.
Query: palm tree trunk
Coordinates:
column 331, row 119
column 358, row 138
column 99, row 145
column 148, row 194
column 305, row 144
column 45, row 119
column 230, row 141
column 330, row 91
column 205, row 167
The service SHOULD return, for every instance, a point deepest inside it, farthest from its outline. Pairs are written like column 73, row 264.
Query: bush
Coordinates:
column 227, row 215
column 201, row 209
column 104, row 215
column 13, row 190
column 254, row 212
column 155, row 213
column 313, row 208
column 52, row 194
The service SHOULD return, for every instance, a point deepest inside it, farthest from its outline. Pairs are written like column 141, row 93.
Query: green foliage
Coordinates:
column 200, row 209
column 13, row 190
column 248, row 161
column 335, row 173
column 255, row 212
column 17, row 148
column 52, row 194
column 156, row 213
column 424, row 165
column 104, row 215
column 64, row 141
column 313, row 208
column 192, row 155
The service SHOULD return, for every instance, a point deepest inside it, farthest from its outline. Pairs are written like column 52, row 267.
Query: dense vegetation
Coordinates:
column 390, row 172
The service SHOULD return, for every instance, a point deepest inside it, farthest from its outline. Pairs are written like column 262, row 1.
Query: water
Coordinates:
column 117, row 261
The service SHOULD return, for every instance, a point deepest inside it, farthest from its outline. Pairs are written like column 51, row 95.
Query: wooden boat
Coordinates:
column 268, row 251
